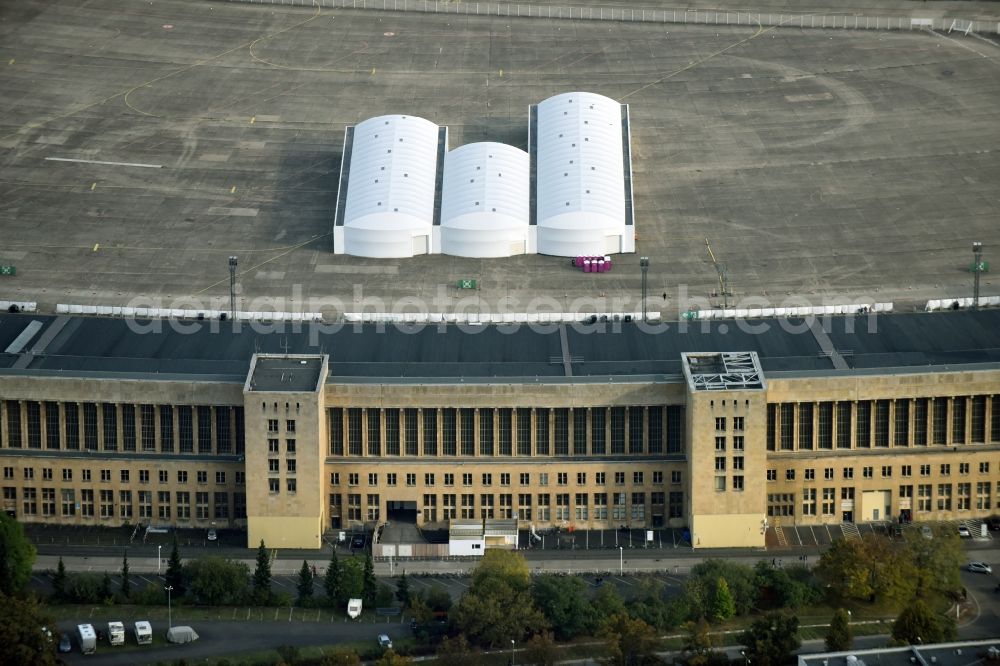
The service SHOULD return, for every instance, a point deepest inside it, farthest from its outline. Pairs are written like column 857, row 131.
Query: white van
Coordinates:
column 88, row 638
column 143, row 633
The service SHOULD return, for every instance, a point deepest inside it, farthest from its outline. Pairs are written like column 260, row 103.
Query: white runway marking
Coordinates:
column 128, row 164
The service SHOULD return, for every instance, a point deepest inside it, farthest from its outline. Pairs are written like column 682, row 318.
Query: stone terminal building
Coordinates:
column 293, row 430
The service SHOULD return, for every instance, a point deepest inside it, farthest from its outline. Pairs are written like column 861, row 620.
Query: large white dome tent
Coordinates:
column 580, row 144
column 485, row 209
column 390, row 171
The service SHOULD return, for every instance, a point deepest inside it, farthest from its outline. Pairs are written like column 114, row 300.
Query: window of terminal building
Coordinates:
column 598, row 431
column 486, row 507
column 738, row 423
column 504, row 478
column 561, row 431
column 675, row 429
column 390, row 479
column 202, row 476
column 964, row 497
column 945, row 469
column 272, row 425
column 220, row 506
column 183, row 505
column 72, row 415
column 789, row 475
column 353, row 479
column 449, row 479
column 978, row 418
column 13, row 409
column 524, row 478
column 720, row 423
column 617, row 430
column 636, row 430
column 809, row 502
column 353, row 431
column 8, row 472
column 543, row 478
column 429, row 479
column 848, row 472
column 523, row 431
column 411, row 479
column 925, row 470
column 825, row 425
column 675, row 506
column 843, row 425
column 542, row 432
column 983, row 502
column 940, row 420
column 506, row 506
column 52, row 425
column 273, row 466
column 505, row 432
column 290, row 425
column 373, row 505
column 336, row 417
column 963, row 468
column 67, row 474
column 372, row 478
column 580, row 431
column 828, row 473
column 410, row 430
column 810, row 474
column 720, row 484
column 944, row 497
column 354, row 507
column 920, row 406
column 105, row 476
column 467, row 422
column 984, row 468
column 48, row 502
column 772, row 475
column 924, row 497
column 185, row 429
column 431, row 434
column 637, row 478
column 619, row 510
column 34, row 423
column 787, row 426
column 290, row 466
column 881, row 423
column 204, row 414
column 466, row 479
column 68, row 496
column 487, row 479
column 449, row 424
column 720, row 443
column 847, row 494
column 374, row 419
column 562, row 478
column 805, row 426
column 657, row 478
column 392, row 432
column 958, row 407
column 867, row 472
column 46, row 474
column 524, row 506
column 829, row 501
column 657, row 498
column 581, row 478
column 201, row 505
column 886, row 471
column 619, row 478
column 720, row 463
column 600, row 478
column 772, row 426
column 486, row 432
column 30, row 501
column 334, row 478
column 638, row 506
column 901, row 423
column 468, row 506
column 600, row 506
column 89, row 427
column 863, row 431
column 543, row 507
column 87, row 503
column 995, row 420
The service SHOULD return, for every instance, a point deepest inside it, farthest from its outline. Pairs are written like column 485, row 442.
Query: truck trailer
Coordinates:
column 88, row 638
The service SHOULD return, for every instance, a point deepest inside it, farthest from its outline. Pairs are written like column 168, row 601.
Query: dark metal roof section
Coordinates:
column 442, row 150
column 222, row 351
column 532, row 163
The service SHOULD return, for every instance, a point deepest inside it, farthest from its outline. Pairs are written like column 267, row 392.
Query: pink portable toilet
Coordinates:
column 578, row 262
column 586, row 265
column 607, row 263
column 600, row 266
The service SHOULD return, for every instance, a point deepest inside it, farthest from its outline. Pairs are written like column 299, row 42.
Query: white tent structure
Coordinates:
column 391, row 169
column 582, row 181
column 485, row 208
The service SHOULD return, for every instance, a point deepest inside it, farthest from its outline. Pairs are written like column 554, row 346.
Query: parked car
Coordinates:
column 65, row 644
column 212, row 536
column 384, row 642
column 357, row 541
column 964, row 532
column 980, row 567
column 926, row 532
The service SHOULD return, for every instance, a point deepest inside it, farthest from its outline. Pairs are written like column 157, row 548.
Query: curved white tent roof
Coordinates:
column 485, row 201
column 580, row 176
column 389, row 211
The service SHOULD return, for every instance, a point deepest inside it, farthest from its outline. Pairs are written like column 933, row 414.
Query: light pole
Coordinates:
column 512, row 652
column 621, row 561
column 232, row 287
column 644, row 265
column 977, row 268
column 159, row 549
column 170, row 617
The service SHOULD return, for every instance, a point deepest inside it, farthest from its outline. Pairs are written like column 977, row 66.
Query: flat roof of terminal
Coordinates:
column 298, row 373
column 91, row 346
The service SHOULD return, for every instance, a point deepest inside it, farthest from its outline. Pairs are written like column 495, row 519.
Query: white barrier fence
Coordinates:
column 802, row 311
column 494, row 318
column 960, row 303
column 643, row 15
column 175, row 313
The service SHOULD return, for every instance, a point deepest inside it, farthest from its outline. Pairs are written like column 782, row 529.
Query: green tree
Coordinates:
column 217, row 581
column 390, row 658
column 403, row 591
column 937, row 561
column 541, row 650
column 305, row 584
column 369, row 586
column 703, row 582
column 771, row 640
column 333, row 583
column 17, row 556
column 630, row 641
column 697, row 642
column 723, row 606
column 564, row 603
column 839, row 636
column 262, row 576
column 28, row 635
column 608, row 602
column 785, row 587
column 352, row 579
column 438, row 599
column 126, row 583
column 919, row 624
column 175, row 571
column 454, row 651
column 341, row 657
column 872, row 569
column 498, row 607
column 105, row 589
column 59, row 582
column 289, row 653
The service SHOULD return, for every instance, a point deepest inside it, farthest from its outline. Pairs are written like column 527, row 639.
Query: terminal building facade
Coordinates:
column 296, row 431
